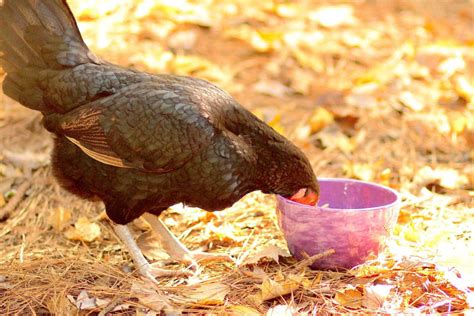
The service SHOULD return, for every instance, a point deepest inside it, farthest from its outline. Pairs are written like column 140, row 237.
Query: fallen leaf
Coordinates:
column 445, row 177
column 84, row 302
column 60, row 218
column 282, row 310
column 333, row 16
column 320, row 119
column 452, row 65
column 83, row 230
column 271, row 252
column 410, row 101
column 2, row 200
column 464, row 88
column 149, row 297
column 272, row 88
column 376, row 295
column 208, row 294
column 349, row 297
column 280, row 286
column 242, row 310
column 150, row 246
column 332, row 137
column 361, row 171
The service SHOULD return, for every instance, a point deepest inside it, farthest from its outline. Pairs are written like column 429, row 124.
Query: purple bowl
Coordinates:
column 357, row 219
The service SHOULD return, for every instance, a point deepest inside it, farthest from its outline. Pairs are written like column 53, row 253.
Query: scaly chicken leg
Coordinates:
column 144, row 267
column 175, row 249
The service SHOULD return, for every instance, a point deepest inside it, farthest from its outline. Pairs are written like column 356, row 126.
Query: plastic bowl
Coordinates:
column 355, row 221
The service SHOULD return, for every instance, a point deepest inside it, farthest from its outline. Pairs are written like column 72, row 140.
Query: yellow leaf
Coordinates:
column 320, row 119
column 208, row 294
column 60, row 218
column 459, row 123
column 242, row 310
column 332, row 137
column 2, row 200
column 465, row 88
column 350, row 297
column 272, row 289
column 359, row 171
column 271, row 252
column 83, row 230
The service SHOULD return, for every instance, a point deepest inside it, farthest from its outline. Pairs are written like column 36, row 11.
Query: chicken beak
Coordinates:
column 305, row 196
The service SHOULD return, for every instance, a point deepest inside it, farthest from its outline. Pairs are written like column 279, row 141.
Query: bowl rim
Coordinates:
column 394, row 203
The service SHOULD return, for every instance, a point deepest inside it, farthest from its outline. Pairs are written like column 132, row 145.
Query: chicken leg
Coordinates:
column 175, row 249
column 144, row 267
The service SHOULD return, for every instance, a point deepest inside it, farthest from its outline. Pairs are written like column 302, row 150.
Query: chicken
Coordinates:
column 137, row 141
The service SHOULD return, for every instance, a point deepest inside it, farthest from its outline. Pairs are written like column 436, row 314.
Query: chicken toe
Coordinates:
column 146, row 269
column 176, row 250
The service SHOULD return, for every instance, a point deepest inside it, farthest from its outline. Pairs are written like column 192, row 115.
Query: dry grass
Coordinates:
column 397, row 117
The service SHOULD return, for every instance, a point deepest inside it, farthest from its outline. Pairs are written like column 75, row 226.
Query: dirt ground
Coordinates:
column 381, row 91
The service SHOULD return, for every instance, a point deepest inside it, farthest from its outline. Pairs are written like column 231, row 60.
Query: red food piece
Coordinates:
column 305, row 196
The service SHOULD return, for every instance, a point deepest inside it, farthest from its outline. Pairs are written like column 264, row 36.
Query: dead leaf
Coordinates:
column 333, row 16
column 349, row 297
column 464, row 88
column 60, row 218
column 332, row 137
column 208, row 294
column 280, row 286
column 271, row 252
column 361, row 171
column 272, row 88
column 410, row 101
column 83, row 230
column 242, row 310
column 445, row 177
column 376, row 295
column 320, row 119
column 150, row 246
column 282, row 310
column 84, row 302
column 149, row 297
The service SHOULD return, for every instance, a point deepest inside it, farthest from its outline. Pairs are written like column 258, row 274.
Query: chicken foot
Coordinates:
column 176, row 250
column 143, row 266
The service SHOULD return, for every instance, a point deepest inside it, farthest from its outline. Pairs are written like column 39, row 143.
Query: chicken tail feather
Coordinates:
column 37, row 35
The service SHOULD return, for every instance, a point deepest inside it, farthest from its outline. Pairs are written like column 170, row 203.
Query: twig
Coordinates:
column 310, row 260
column 15, row 200
column 115, row 302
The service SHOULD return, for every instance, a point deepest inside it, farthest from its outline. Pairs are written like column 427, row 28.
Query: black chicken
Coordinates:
column 139, row 142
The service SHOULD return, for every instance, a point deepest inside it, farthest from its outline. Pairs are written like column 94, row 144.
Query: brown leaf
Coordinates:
column 60, row 218
column 208, row 294
column 349, row 297
column 242, row 310
column 271, row 252
column 83, row 230
column 149, row 297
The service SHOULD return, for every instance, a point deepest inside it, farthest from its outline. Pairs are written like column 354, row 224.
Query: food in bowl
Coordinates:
column 352, row 217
